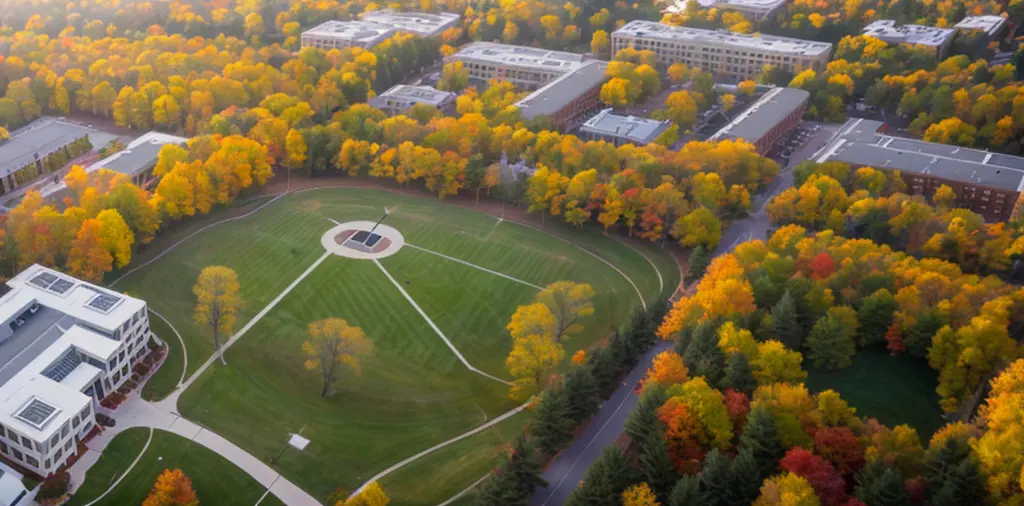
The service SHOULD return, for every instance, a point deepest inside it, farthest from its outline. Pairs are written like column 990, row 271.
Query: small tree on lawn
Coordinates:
column 333, row 344
column 172, row 488
column 218, row 301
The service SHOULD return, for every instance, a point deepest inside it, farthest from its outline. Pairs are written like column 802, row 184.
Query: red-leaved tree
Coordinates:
column 840, row 447
column 827, row 483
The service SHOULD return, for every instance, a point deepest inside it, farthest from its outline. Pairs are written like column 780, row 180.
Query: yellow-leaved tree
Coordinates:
column 333, row 344
column 639, row 495
column 568, row 303
column 531, row 356
column 370, row 495
column 217, row 293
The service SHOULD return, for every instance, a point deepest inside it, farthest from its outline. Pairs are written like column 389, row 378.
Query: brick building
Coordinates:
column 985, row 182
column 568, row 99
column 768, row 119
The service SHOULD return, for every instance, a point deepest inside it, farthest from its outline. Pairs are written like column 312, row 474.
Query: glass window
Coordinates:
column 26, row 442
column 3, row 447
column 18, row 455
column 67, row 446
column 58, row 454
column 47, row 464
column 64, row 430
column 32, row 461
column 54, row 440
column 74, row 422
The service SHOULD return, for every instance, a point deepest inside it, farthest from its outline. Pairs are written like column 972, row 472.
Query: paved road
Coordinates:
column 565, row 472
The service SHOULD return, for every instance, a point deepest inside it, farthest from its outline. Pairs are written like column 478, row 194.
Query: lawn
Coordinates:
column 167, row 376
column 442, row 474
column 895, row 390
column 215, row 480
column 413, row 392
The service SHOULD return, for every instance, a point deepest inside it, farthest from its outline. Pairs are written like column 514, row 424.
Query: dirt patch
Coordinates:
column 342, row 237
column 309, row 206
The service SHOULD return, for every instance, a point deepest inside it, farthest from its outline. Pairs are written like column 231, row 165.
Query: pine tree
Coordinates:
column 642, row 423
column 761, row 438
column 524, row 469
column 830, row 345
column 953, row 474
column 657, row 467
column 699, row 260
column 878, row 485
column 703, row 357
column 686, row 492
column 738, row 375
column 875, row 316
column 744, row 480
column 715, row 478
column 552, row 428
column 607, row 477
column 583, row 398
column 786, row 322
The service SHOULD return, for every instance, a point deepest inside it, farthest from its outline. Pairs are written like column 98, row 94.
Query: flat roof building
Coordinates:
column 721, row 52
column 138, row 158
column 985, row 182
column 620, row 130
column 22, row 156
column 891, row 32
column 403, row 96
column 341, row 34
column 526, row 67
column 424, row 24
column 12, row 490
column 568, row 98
column 990, row 25
column 768, row 119
column 64, row 345
column 753, row 9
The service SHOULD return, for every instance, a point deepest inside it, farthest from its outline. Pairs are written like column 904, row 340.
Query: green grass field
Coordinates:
column 895, row 390
column 215, row 480
column 413, row 392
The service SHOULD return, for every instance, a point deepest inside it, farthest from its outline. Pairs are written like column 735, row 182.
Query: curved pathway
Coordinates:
column 126, row 471
column 184, row 350
column 136, row 412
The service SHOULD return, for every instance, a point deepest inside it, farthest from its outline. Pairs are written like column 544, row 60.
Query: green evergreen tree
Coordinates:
column 715, row 479
column 552, row 428
column 918, row 337
column 515, row 480
column 875, row 316
column 766, row 292
column 608, row 476
column 744, row 480
column 786, row 322
column 642, row 423
column 878, row 485
column 657, row 467
column 953, row 474
column 760, row 437
column 699, row 261
column 830, row 345
column 703, row 357
column 583, row 398
column 738, row 374
column 686, row 492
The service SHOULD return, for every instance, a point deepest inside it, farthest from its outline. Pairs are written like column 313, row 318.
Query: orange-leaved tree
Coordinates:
column 172, row 488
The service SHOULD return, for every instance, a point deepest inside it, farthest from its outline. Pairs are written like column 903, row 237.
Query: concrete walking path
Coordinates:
column 433, row 326
column 184, row 349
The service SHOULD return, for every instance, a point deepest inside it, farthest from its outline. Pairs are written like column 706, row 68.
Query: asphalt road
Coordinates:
column 566, row 472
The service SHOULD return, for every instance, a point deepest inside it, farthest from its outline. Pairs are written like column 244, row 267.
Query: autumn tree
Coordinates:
column 827, row 483
column 370, row 495
column 333, row 344
column 219, row 301
column 172, row 488
column 89, row 258
column 568, row 302
column 531, row 356
column 454, row 77
column 639, row 495
column 667, row 370
column 788, row 489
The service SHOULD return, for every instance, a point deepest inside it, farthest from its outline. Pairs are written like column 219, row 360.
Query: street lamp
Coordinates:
column 375, row 225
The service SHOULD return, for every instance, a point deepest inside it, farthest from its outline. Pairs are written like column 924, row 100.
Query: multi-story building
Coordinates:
column 887, row 30
column 402, row 96
column 22, row 156
column 526, row 67
column 376, row 27
column 984, row 28
column 569, row 98
column 986, row 183
column 724, row 53
column 424, row 24
column 620, row 130
column 768, row 119
column 64, row 345
column 138, row 158
column 341, row 34
column 751, row 9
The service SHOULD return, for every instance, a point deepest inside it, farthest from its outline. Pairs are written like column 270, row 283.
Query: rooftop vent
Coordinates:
column 36, row 413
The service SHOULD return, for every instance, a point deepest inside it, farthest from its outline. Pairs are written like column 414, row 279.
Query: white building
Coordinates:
column 12, row 490
column 341, row 34
column 375, row 27
column 620, row 130
column 721, row 52
column 991, row 25
column 64, row 345
column 526, row 67
column 751, row 9
column 403, row 96
column 138, row 158
column 424, row 24
column 887, row 30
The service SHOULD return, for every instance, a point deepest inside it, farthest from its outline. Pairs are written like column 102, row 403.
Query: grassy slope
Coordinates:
column 167, row 376
column 413, row 393
column 446, row 472
column 216, row 481
column 895, row 390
